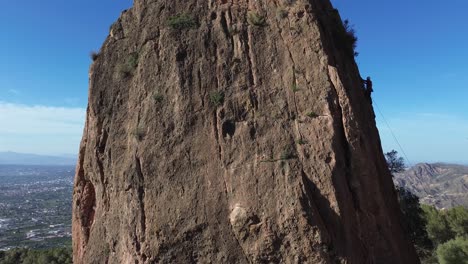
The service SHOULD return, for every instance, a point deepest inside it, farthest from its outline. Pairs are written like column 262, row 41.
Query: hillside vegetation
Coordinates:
column 28, row 256
column 439, row 236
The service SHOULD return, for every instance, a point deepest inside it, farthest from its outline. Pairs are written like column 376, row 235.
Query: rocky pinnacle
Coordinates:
column 232, row 131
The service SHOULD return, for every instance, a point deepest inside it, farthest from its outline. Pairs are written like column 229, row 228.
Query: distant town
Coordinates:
column 35, row 206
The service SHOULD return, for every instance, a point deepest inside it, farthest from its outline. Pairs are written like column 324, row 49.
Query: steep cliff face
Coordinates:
column 232, row 131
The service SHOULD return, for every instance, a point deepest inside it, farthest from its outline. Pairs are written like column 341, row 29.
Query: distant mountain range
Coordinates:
column 439, row 184
column 14, row 158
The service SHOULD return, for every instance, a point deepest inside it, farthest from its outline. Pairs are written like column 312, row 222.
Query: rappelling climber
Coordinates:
column 367, row 86
column 369, row 89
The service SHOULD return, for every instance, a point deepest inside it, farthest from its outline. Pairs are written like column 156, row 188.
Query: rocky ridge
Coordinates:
column 441, row 185
column 232, row 132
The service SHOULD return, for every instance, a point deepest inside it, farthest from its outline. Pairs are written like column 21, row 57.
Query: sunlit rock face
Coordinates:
column 232, row 132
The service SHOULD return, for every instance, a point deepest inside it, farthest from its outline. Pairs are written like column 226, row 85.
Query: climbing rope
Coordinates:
column 391, row 131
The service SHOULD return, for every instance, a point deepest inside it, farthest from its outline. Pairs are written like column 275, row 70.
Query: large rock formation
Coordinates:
column 232, row 131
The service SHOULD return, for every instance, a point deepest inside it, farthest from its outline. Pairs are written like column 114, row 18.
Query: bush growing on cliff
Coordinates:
column 139, row 133
column 281, row 13
column 287, row 155
column 216, row 98
column 234, row 30
column 350, row 37
column 301, row 141
column 312, row 115
column 344, row 35
column 181, row 21
column 256, row 19
column 94, row 55
column 158, row 97
column 127, row 68
column 294, row 88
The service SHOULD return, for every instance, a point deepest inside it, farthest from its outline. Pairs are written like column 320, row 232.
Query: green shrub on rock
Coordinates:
column 217, row 98
column 127, row 67
column 181, row 21
column 256, row 19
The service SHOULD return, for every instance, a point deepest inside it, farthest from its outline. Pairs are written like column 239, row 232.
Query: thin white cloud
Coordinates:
column 40, row 129
column 435, row 115
column 14, row 91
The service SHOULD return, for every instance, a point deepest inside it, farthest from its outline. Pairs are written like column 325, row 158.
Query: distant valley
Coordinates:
column 439, row 184
column 35, row 206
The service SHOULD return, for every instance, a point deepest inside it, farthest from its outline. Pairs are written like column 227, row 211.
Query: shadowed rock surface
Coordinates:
column 232, row 132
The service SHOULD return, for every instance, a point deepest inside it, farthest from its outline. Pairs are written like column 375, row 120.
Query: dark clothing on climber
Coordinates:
column 368, row 87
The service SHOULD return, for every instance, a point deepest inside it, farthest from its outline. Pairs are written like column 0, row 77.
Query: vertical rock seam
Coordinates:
column 232, row 131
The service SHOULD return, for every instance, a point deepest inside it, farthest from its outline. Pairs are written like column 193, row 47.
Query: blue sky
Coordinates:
column 44, row 51
column 416, row 54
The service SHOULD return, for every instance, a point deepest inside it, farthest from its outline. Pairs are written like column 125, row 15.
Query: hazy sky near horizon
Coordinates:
column 415, row 53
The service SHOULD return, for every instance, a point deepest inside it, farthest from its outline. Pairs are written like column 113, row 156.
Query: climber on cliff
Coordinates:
column 367, row 85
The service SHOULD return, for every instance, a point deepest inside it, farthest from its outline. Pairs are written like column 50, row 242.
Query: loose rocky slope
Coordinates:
column 439, row 184
column 232, row 131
